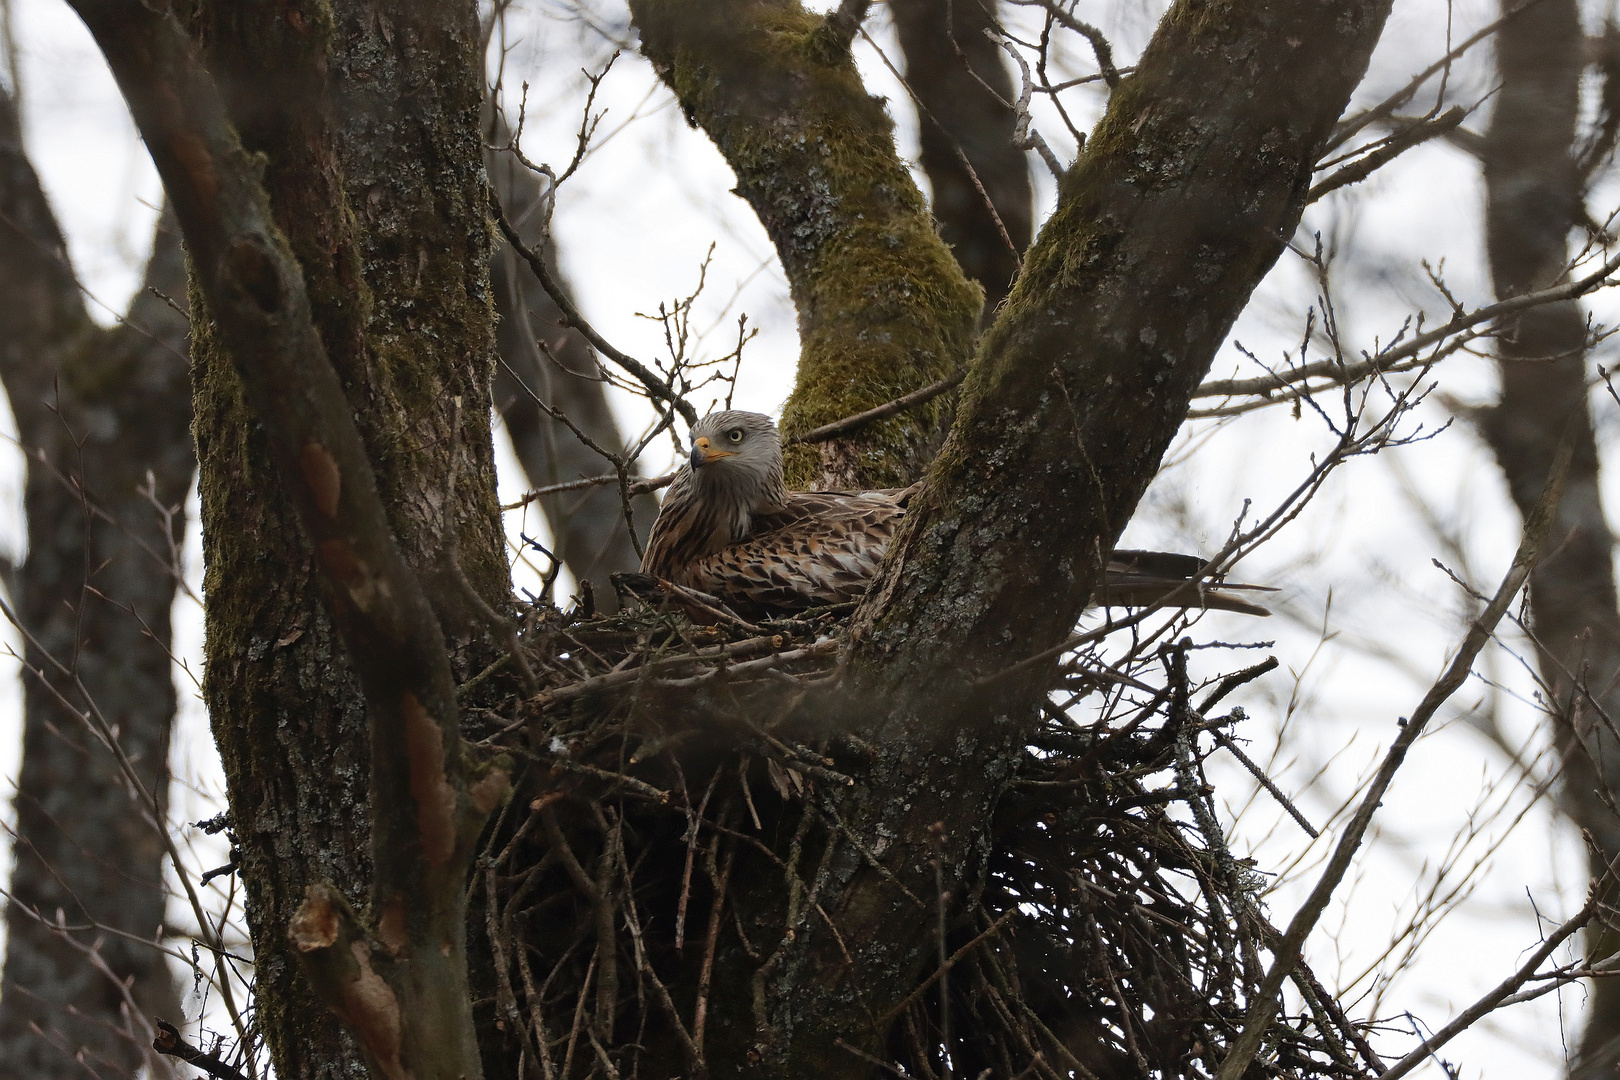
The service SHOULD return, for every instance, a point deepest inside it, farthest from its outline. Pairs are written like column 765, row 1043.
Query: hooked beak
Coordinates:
column 702, row 454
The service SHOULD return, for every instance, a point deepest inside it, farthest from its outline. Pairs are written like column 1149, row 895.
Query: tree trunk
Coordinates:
column 368, row 119
column 883, row 308
column 958, row 75
column 1533, row 199
column 1078, row 388
column 104, row 419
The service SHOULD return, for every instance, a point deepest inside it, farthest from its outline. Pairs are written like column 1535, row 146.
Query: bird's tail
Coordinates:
column 1144, row 578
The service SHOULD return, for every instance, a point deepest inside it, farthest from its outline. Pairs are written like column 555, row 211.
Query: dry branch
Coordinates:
column 1287, row 951
column 1503, row 990
column 171, row 1043
column 1415, row 352
column 658, row 389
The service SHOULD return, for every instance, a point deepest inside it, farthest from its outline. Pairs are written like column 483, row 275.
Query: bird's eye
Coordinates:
column 735, row 434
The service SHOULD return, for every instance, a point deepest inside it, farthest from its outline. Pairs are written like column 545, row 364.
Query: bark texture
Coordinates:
column 367, row 120
column 588, row 526
column 883, row 307
column 962, row 85
column 1188, row 189
column 1186, row 195
column 1533, row 198
column 101, row 413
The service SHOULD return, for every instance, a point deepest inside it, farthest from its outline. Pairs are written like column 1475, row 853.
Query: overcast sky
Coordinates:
column 637, row 221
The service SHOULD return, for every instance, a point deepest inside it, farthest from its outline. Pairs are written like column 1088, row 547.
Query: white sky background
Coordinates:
column 633, row 227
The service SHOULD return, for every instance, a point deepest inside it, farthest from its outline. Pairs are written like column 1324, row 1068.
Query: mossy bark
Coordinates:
column 883, row 307
column 101, row 414
column 1189, row 189
column 367, row 118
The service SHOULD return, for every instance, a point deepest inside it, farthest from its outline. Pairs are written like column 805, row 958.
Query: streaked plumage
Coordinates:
column 730, row 528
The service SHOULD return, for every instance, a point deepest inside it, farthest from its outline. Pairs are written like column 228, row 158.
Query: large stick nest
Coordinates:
column 669, row 833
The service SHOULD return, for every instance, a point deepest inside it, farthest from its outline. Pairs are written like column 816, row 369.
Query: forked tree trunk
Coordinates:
column 883, row 307
column 103, row 416
column 1077, row 389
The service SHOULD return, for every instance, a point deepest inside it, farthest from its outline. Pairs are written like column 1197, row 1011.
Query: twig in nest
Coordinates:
column 1265, row 781
column 954, row 959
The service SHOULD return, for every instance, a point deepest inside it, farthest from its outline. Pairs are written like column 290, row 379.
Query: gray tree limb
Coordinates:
column 103, row 416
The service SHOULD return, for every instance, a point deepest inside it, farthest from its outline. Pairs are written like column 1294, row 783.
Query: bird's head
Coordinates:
column 739, row 453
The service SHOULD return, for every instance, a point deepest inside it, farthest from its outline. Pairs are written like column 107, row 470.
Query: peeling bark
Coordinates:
column 1533, row 199
column 883, row 307
column 98, row 412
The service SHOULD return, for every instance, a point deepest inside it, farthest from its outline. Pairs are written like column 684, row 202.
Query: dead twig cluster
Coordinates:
column 671, row 828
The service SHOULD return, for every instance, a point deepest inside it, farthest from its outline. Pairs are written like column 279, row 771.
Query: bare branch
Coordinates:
column 1397, row 144
column 1024, row 138
column 1287, row 951
column 1340, row 374
column 657, row 388
column 888, row 409
column 636, row 487
column 170, row 1043
column 1099, row 43
column 1500, row 993
column 1386, row 108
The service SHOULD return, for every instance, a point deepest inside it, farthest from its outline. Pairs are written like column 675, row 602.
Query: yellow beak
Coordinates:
column 703, row 453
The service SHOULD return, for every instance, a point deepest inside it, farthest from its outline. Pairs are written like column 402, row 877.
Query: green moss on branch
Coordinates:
column 883, row 307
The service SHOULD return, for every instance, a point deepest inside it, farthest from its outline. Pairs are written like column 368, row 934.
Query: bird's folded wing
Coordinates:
column 818, row 548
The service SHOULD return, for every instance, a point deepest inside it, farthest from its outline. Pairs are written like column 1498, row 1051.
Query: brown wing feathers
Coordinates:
column 737, row 535
column 819, row 548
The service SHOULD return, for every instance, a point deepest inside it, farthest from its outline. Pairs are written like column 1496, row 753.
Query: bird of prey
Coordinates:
column 730, row 529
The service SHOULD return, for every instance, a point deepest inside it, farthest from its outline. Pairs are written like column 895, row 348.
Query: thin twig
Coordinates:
column 1465, row 1019
column 1024, row 138
column 1339, row 373
column 1397, row 144
column 954, row 959
column 655, row 386
column 1264, row 999
column 170, row 1043
column 638, row 486
column 882, row 412
column 1099, row 43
